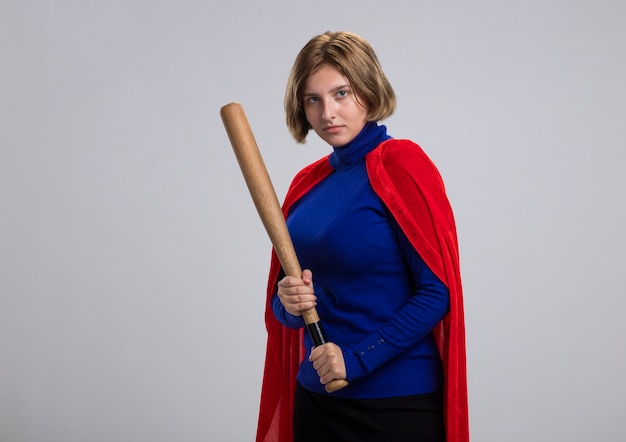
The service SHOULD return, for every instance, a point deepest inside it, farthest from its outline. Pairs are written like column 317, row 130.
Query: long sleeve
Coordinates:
column 412, row 323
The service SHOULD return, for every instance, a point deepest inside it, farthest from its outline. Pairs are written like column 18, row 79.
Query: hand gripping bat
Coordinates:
column 267, row 205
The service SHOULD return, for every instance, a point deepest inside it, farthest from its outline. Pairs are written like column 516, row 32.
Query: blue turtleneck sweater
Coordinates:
column 376, row 297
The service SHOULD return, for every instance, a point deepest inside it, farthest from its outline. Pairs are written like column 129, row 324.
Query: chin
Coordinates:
column 336, row 141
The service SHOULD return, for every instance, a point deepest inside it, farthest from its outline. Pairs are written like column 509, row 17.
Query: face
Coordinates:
column 332, row 107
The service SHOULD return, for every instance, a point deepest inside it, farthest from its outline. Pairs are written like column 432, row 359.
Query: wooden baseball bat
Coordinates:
column 267, row 205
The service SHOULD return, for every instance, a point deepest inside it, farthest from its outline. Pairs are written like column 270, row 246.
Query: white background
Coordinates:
column 133, row 264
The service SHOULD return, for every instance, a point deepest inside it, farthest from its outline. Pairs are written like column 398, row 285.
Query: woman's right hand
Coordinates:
column 296, row 294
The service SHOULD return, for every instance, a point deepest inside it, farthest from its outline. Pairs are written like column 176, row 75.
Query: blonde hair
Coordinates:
column 353, row 56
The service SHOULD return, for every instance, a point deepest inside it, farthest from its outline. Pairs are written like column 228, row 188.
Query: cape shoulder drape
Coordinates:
column 411, row 187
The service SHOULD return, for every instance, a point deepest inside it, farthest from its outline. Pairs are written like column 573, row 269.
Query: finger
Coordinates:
column 316, row 353
column 327, row 378
column 328, row 372
column 290, row 281
column 318, row 364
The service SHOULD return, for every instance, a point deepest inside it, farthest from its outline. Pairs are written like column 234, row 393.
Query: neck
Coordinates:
column 344, row 157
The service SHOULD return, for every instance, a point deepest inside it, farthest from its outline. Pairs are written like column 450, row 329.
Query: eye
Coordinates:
column 342, row 93
column 312, row 99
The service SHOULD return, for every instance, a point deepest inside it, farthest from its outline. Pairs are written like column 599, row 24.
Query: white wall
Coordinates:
column 132, row 262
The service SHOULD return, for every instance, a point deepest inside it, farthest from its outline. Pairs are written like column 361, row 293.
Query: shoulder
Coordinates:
column 410, row 185
column 397, row 159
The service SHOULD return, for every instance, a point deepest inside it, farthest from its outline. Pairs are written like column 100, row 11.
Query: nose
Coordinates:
column 328, row 112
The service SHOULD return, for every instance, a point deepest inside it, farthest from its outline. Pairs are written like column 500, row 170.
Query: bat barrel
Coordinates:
column 260, row 185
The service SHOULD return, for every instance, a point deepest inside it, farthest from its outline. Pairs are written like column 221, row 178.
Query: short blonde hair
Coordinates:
column 353, row 56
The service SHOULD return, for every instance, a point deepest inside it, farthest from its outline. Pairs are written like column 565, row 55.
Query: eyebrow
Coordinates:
column 335, row 89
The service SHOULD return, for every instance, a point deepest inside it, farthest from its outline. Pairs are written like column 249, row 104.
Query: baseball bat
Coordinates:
column 264, row 196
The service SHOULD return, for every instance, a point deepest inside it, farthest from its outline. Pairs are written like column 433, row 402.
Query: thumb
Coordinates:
column 307, row 276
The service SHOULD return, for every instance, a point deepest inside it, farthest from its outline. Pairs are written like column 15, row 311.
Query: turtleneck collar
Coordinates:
column 344, row 157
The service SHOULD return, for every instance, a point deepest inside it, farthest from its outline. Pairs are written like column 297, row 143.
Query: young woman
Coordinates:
column 375, row 233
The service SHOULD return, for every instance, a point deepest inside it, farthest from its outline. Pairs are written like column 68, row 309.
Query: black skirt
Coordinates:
column 319, row 417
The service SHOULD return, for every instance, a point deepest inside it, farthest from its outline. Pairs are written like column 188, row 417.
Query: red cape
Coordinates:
column 409, row 184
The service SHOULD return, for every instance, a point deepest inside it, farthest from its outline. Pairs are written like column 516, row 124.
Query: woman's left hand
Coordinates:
column 328, row 361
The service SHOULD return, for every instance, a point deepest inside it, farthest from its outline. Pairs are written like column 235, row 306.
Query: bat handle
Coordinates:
column 314, row 327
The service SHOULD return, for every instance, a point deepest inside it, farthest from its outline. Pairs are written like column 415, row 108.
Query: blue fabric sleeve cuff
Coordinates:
column 284, row 317
column 363, row 359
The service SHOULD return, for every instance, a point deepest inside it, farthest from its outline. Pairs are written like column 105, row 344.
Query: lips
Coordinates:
column 332, row 129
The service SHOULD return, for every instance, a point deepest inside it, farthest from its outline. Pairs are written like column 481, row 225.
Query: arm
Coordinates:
column 425, row 309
